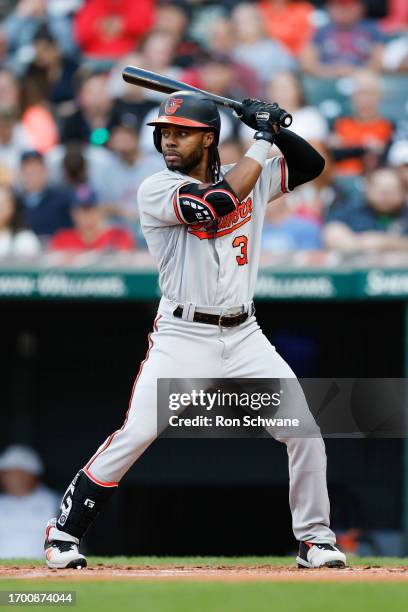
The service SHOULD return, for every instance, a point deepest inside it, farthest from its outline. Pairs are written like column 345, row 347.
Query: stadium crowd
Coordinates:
column 74, row 145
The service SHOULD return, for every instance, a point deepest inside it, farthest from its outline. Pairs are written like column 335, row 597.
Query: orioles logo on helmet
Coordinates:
column 172, row 105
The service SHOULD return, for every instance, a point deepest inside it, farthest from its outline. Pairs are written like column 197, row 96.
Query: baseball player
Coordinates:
column 203, row 224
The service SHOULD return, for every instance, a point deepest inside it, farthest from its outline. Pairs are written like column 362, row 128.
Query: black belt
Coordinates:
column 231, row 320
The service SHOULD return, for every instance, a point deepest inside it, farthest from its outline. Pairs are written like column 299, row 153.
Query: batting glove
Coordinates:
column 262, row 116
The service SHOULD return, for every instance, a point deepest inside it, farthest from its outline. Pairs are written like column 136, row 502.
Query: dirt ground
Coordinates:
column 205, row 573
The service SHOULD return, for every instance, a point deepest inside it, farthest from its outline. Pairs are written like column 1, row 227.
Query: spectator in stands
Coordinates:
column 130, row 102
column 25, row 503
column 23, row 23
column 158, row 52
column 380, row 224
column 359, row 141
column 216, row 74
column 173, row 18
column 266, row 56
column 347, row 42
column 91, row 230
column 13, row 141
column 228, row 77
column 77, row 163
column 51, row 73
column 398, row 159
column 96, row 114
column 289, row 21
column 285, row 231
column 46, row 208
column 107, row 29
column 221, row 43
column 9, row 91
column 222, row 36
column 308, row 122
column 37, row 116
column 204, row 13
column 128, row 169
column 15, row 239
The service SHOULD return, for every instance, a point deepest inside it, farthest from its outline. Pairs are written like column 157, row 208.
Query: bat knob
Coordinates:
column 285, row 120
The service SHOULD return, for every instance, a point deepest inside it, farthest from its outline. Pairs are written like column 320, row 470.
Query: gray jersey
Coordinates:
column 207, row 264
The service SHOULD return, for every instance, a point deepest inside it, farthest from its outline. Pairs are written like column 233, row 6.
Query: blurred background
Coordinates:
column 78, row 289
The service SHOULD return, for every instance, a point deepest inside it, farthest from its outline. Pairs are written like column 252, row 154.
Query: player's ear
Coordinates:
column 208, row 139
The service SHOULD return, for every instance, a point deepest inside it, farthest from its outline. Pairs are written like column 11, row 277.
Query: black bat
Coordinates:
column 164, row 84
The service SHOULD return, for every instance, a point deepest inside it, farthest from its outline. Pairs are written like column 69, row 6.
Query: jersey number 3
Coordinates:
column 242, row 242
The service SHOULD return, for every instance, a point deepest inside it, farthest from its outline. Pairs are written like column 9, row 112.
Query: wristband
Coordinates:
column 259, row 151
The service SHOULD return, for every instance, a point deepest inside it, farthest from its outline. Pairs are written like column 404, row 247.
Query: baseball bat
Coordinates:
column 164, row 84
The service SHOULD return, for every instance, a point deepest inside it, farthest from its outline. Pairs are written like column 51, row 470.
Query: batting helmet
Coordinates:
column 188, row 109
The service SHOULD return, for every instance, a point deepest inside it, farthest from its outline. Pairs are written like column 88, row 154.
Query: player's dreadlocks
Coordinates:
column 214, row 166
column 214, row 162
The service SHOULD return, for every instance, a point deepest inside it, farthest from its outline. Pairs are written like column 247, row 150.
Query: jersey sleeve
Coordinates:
column 157, row 200
column 274, row 178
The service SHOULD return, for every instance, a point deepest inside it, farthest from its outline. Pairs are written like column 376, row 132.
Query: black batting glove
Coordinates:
column 262, row 116
column 250, row 107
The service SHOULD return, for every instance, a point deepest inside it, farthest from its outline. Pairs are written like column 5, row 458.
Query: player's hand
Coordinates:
column 262, row 116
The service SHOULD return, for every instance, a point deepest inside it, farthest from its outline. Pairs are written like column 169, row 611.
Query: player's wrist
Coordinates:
column 267, row 135
column 259, row 150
